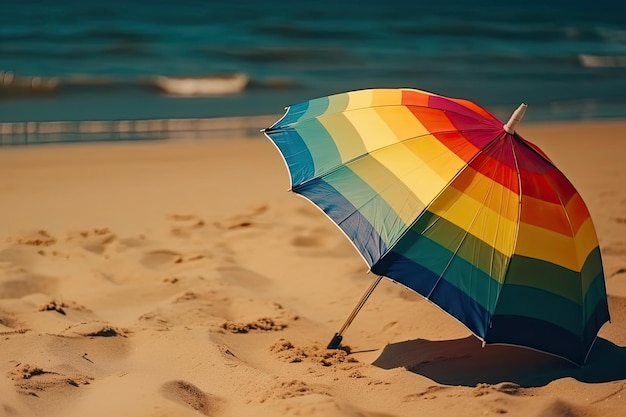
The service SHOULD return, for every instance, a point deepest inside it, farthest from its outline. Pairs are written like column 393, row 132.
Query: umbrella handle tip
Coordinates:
column 335, row 341
column 516, row 117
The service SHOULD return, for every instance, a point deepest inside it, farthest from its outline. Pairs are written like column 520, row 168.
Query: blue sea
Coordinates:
column 73, row 60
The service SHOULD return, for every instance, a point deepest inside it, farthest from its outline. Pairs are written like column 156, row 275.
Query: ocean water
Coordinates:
column 124, row 59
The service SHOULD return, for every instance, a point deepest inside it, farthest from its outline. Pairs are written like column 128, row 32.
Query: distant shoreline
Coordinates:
column 33, row 133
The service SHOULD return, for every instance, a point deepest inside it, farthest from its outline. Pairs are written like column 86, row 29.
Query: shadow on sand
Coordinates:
column 465, row 362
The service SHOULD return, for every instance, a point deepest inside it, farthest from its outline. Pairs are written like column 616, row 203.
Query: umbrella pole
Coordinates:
column 337, row 338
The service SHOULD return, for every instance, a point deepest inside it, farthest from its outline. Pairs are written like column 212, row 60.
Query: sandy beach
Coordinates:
column 181, row 278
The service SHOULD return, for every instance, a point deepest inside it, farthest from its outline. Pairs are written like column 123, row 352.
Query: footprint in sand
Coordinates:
column 94, row 342
column 245, row 219
column 615, row 248
column 431, row 393
column 96, row 240
column 617, row 272
column 7, row 319
column 187, row 394
column 95, row 329
column 321, row 242
column 20, row 284
column 238, row 276
column 161, row 258
column 560, row 408
column 60, row 306
column 291, row 389
column 307, row 240
column 504, row 387
column 33, row 380
column 270, row 318
column 9, row 324
column 309, row 210
column 35, row 238
column 17, row 255
column 185, row 224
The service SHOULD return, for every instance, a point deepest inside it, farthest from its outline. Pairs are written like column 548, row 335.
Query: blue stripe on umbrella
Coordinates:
column 356, row 227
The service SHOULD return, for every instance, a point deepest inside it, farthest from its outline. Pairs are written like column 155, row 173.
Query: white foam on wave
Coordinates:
column 214, row 85
column 600, row 61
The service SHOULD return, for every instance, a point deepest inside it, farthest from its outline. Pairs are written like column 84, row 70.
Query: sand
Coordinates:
column 180, row 278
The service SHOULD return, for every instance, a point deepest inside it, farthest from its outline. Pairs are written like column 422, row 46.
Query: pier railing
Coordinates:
column 25, row 133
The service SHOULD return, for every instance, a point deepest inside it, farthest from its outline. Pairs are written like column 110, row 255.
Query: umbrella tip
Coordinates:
column 335, row 341
column 516, row 117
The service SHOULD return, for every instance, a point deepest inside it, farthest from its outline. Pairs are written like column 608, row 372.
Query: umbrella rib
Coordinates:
column 364, row 155
column 508, row 259
column 467, row 231
column 519, row 204
column 475, row 116
column 567, row 217
column 393, row 244
column 295, row 188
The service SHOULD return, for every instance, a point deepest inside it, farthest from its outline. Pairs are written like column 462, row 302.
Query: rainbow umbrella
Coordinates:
column 440, row 196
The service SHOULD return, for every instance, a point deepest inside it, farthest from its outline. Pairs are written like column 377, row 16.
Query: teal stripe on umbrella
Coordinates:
column 592, row 268
column 491, row 261
column 445, row 264
column 320, row 145
column 369, row 202
column 532, row 272
column 316, row 108
column 514, row 302
column 418, row 277
column 289, row 142
column 595, row 298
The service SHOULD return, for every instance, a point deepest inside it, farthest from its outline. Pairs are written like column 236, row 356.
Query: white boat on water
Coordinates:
column 210, row 85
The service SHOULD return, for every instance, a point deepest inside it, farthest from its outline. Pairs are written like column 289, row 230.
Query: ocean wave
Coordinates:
column 214, row 85
column 12, row 86
column 293, row 30
column 602, row 61
column 505, row 32
column 299, row 55
column 613, row 35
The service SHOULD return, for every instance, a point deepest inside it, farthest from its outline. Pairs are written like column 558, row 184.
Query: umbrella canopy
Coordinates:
column 440, row 196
